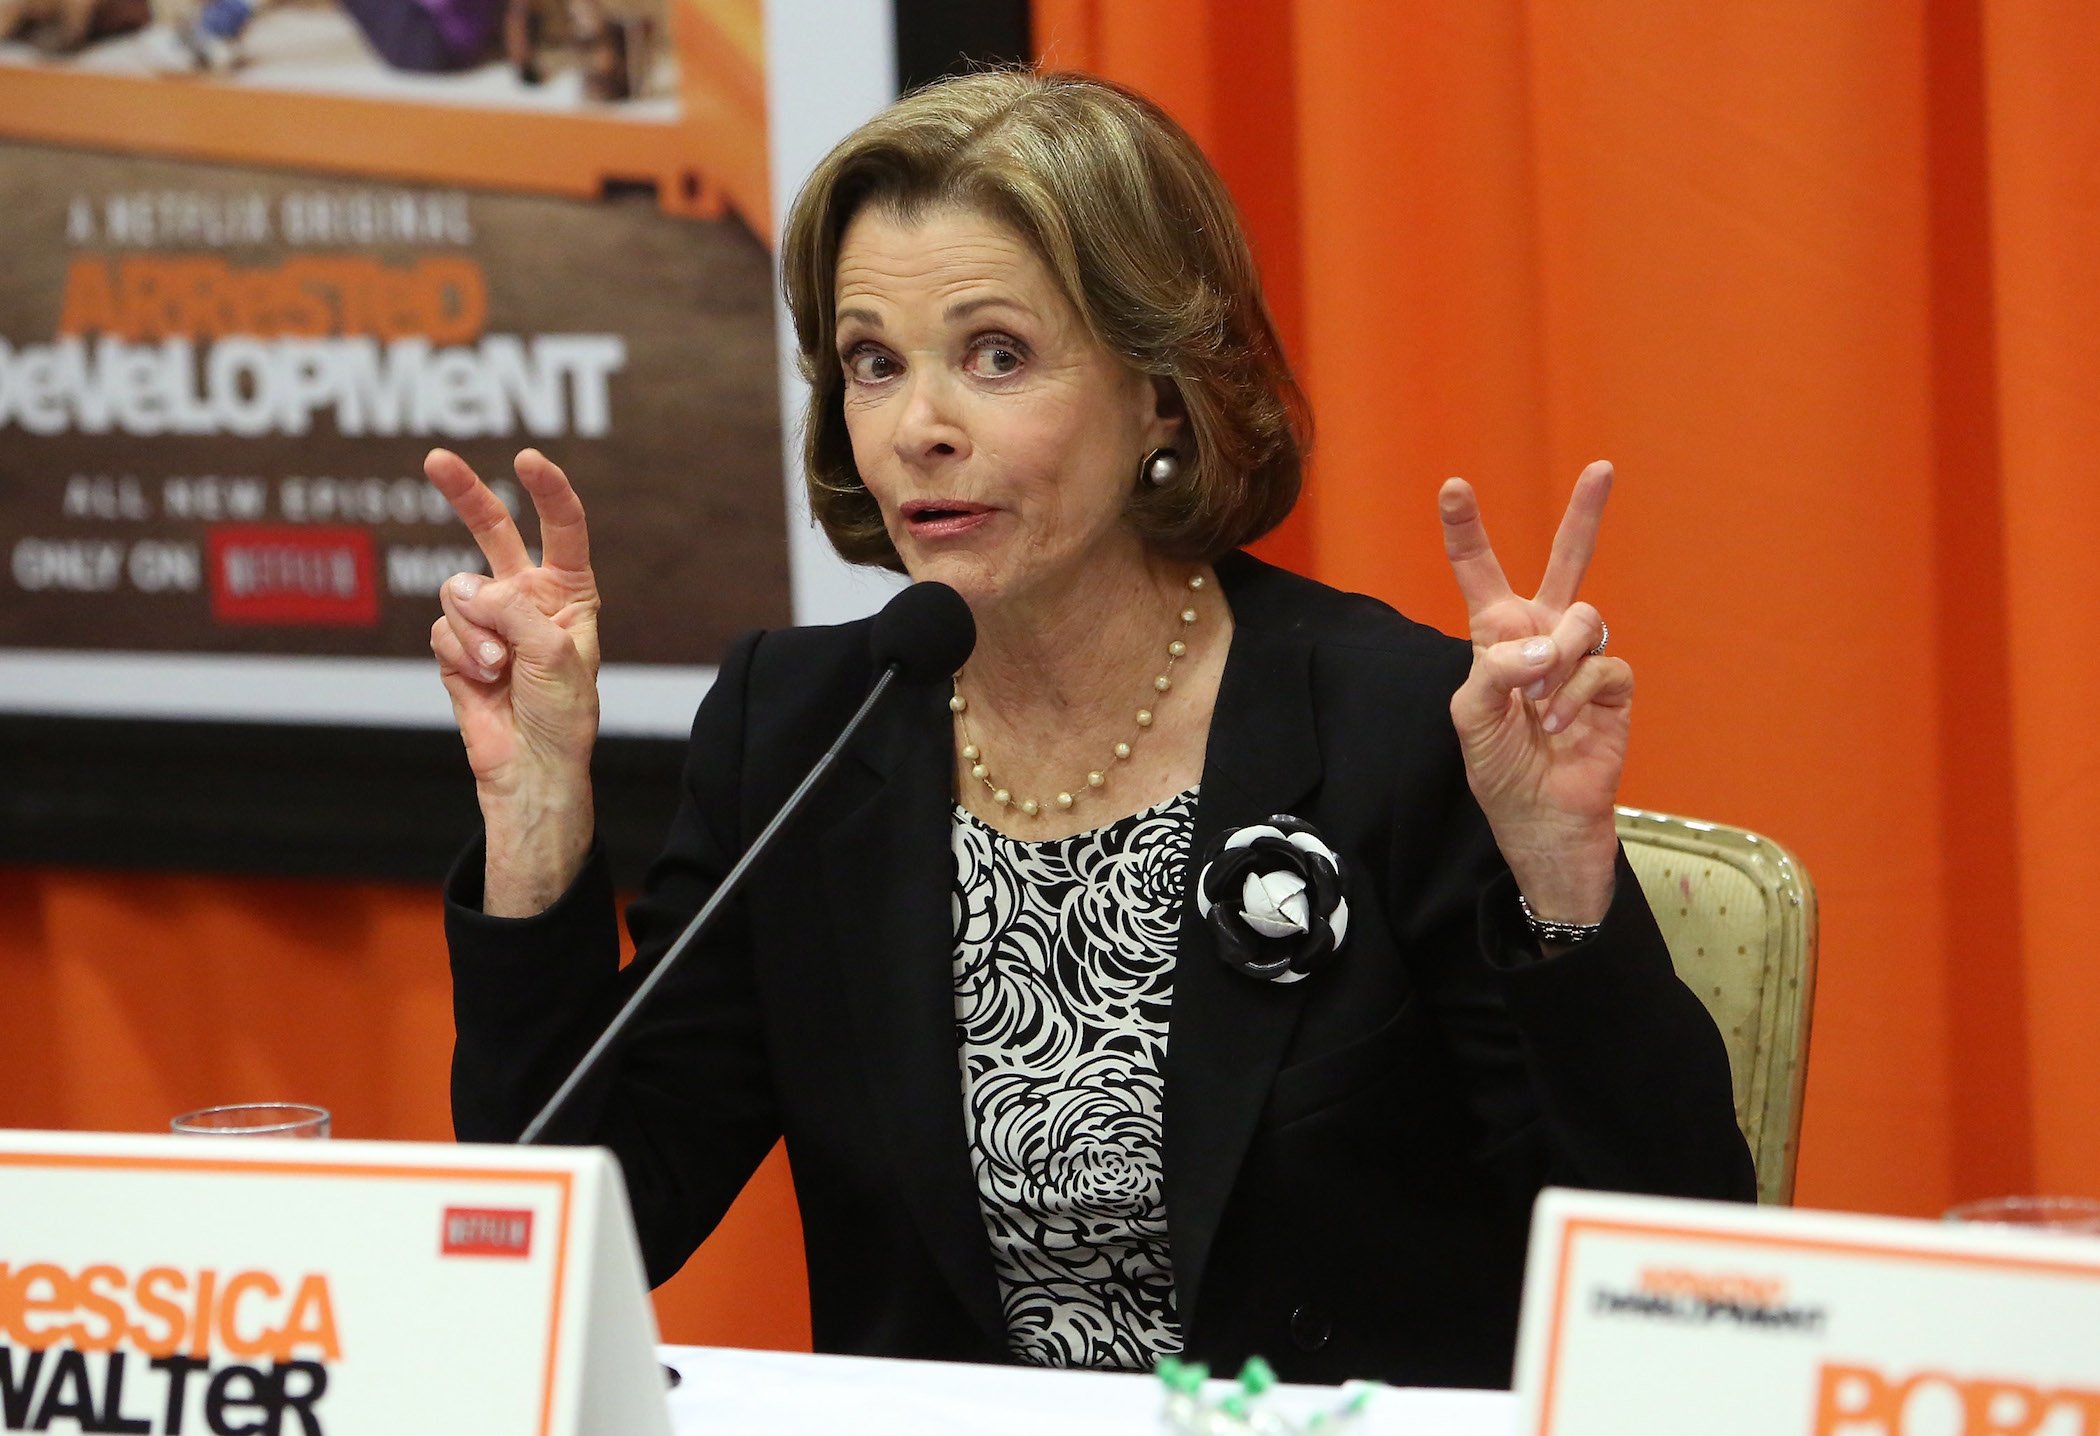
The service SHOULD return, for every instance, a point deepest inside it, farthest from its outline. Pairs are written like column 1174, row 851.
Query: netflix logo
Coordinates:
column 294, row 575
column 482, row 1231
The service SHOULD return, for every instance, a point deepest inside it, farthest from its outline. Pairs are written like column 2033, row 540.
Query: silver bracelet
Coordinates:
column 1567, row 934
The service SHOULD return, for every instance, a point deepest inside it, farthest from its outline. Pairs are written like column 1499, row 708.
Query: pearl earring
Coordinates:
column 1160, row 468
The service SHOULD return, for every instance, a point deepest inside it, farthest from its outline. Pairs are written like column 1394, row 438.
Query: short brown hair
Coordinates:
column 1137, row 230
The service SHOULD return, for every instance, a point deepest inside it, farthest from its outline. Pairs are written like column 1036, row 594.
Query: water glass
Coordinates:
column 254, row 1119
column 2061, row 1214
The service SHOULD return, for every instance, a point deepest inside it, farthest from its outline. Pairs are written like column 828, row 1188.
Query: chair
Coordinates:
column 1739, row 914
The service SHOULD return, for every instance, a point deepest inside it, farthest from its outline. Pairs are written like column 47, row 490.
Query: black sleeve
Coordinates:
column 1629, row 1073
column 1593, row 1068
column 686, row 1102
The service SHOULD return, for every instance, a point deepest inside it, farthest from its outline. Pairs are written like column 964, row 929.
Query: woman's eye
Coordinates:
column 870, row 366
column 994, row 360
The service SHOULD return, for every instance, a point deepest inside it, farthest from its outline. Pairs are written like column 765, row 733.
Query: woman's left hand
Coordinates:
column 1542, row 719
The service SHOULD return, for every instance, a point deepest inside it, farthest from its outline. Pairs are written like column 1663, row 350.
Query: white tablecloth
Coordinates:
column 774, row 1393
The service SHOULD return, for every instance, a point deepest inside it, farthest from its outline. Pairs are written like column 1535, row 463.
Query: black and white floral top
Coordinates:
column 1064, row 970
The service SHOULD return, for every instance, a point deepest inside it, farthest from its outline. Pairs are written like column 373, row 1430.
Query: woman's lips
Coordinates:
column 935, row 519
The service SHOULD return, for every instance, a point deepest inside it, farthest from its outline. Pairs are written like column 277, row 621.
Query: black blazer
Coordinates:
column 1350, row 1160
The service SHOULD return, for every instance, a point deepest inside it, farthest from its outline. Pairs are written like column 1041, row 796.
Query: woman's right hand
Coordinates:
column 518, row 653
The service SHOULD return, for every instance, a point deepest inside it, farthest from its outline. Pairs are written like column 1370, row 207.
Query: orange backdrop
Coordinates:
column 1819, row 279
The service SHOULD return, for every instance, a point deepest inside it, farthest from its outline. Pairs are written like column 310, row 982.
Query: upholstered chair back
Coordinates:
column 1739, row 914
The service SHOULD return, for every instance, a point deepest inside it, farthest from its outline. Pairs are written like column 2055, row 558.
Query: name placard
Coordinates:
column 1643, row 1314
column 286, row 1288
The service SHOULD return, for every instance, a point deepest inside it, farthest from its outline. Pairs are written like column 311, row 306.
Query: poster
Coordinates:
column 262, row 257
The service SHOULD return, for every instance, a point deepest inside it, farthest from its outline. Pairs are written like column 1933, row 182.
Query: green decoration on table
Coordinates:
column 1237, row 1412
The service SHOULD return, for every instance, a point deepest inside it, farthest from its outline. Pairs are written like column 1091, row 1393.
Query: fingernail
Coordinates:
column 492, row 653
column 1536, row 690
column 1552, row 723
column 1538, row 650
column 488, row 675
column 466, row 585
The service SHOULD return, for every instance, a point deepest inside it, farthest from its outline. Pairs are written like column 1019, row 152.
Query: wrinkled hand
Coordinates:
column 1542, row 722
column 518, row 650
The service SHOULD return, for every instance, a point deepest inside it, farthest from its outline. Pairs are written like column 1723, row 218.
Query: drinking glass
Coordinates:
column 2062, row 1214
column 254, row 1119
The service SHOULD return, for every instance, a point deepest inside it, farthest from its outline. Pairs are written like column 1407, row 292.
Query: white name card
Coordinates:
column 284, row 1288
column 1648, row 1315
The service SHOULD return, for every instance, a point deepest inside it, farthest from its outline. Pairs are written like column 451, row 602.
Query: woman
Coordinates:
column 1041, row 1099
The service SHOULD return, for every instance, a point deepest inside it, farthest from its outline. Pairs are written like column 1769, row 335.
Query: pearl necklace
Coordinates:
column 1096, row 778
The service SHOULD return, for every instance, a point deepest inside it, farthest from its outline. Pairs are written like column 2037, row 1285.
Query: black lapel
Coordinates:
column 1228, row 1031
column 888, row 871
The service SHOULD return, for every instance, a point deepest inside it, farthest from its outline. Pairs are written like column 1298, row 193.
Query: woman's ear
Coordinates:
column 1169, row 415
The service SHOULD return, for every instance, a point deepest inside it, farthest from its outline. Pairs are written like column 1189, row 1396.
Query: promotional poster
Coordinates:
column 264, row 256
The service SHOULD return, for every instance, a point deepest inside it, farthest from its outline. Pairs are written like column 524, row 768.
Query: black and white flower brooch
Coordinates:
column 1272, row 892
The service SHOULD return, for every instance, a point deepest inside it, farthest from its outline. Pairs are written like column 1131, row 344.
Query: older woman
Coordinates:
column 1223, row 962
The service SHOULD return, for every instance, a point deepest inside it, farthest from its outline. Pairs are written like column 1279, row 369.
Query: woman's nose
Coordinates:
column 930, row 426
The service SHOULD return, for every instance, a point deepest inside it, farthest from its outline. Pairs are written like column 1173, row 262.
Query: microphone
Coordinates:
column 922, row 635
column 925, row 633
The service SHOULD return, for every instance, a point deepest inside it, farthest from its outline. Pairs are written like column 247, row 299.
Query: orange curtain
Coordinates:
column 2042, row 154
column 1818, row 278
column 132, row 997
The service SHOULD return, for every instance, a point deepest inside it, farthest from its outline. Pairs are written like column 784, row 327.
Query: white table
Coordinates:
column 774, row 1393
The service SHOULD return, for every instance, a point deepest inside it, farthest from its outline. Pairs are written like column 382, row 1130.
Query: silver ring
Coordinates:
column 1603, row 638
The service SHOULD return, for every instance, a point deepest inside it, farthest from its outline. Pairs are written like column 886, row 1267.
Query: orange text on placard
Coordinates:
column 439, row 297
column 1713, row 1286
column 1862, row 1401
column 164, row 1310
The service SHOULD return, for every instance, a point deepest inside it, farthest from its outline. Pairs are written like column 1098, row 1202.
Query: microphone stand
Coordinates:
column 693, row 929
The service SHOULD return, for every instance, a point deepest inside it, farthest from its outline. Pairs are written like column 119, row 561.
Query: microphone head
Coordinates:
column 926, row 631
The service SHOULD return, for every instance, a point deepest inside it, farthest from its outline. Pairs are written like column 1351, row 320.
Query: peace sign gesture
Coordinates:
column 1543, row 717
column 518, row 650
